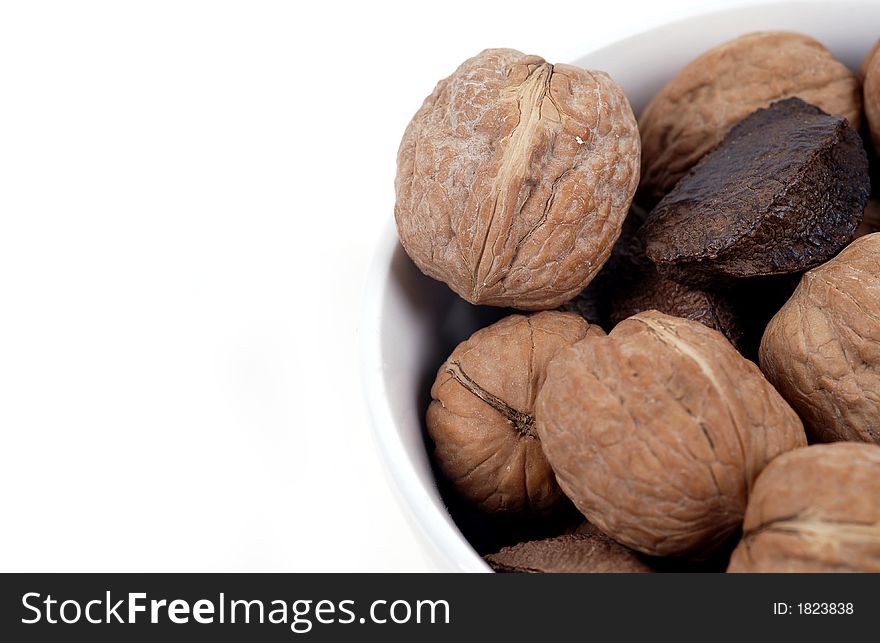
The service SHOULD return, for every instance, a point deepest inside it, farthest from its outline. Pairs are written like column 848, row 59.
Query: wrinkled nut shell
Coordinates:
column 657, row 431
column 783, row 192
column 872, row 99
column 691, row 114
column 814, row 510
column 863, row 66
column 822, row 349
column 514, row 177
column 481, row 414
column 570, row 554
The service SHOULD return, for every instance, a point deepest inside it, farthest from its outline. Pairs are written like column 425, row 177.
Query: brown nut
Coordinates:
column 657, row 432
column 863, row 66
column 783, row 192
column 871, row 95
column 569, row 554
column 514, row 177
column 814, row 510
column 481, row 414
column 822, row 349
column 691, row 114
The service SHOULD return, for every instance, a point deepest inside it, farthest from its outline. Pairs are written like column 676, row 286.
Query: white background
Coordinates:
column 189, row 196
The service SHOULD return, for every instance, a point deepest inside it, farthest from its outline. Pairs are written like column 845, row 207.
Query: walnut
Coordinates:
column 481, row 414
column 815, row 509
column 872, row 99
column 863, row 66
column 822, row 349
column 691, row 114
column 783, row 192
column 658, row 430
column 514, row 177
column 573, row 553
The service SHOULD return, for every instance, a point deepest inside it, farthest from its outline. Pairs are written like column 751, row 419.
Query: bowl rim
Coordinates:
column 431, row 525
column 434, row 527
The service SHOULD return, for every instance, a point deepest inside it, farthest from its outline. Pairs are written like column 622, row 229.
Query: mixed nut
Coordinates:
column 694, row 329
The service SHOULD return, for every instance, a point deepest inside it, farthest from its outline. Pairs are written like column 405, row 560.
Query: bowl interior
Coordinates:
column 412, row 323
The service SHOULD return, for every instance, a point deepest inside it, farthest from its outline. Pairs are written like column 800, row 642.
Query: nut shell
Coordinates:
column 871, row 91
column 514, row 177
column 481, row 414
column 657, row 432
column 815, row 509
column 783, row 192
column 692, row 113
column 822, row 349
column 571, row 554
column 863, row 66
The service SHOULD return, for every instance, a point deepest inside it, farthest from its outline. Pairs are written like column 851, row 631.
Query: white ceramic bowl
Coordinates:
column 411, row 322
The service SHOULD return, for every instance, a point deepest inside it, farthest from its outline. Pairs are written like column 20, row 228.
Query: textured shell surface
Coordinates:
column 572, row 553
column 481, row 414
column 815, row 509
column 657, row 432
column 784, row 191
column 514, row 178
column 822, row 349
column 694, row 111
